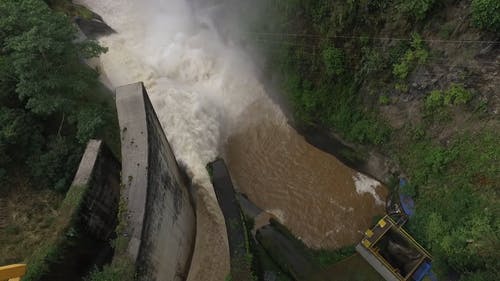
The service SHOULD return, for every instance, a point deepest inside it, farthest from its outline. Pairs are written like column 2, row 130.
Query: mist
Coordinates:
column 190, row 56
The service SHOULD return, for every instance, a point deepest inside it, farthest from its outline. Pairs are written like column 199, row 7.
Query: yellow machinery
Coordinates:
column 394, row 253
column 12, row 272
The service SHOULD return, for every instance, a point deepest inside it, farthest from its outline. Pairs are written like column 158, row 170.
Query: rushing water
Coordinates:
column 210, row 102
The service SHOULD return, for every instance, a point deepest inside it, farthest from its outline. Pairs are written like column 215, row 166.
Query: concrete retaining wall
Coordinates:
column 161, row 220
column 89, row 210
column 235, row 225
column 99, row 174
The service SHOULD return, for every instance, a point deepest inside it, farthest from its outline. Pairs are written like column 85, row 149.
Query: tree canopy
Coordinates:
column 45, row 116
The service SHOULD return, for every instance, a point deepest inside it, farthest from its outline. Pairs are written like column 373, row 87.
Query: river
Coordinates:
column 208, row 96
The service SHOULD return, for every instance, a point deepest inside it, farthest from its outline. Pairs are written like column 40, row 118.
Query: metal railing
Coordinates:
column 12, row 272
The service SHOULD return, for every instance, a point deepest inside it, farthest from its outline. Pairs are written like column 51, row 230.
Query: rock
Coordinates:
column 94, row 28
column 486, row 50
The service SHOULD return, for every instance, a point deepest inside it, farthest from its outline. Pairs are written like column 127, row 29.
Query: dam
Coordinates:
column 210, row 101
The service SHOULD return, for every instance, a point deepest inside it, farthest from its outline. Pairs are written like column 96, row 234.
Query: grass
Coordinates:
column 30, row 217
column 49, row 250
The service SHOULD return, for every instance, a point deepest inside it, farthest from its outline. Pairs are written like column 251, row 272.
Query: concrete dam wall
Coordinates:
column 99, row 172
column 161, row 221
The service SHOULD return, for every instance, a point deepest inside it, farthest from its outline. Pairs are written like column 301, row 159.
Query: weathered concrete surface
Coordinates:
column 288, row 254
column 235, row 225
column 99, row 173
column 161, row 219
column 375, row 263
column 86, row 166
column 211, row 260
column 89, row 208
column 134, row 143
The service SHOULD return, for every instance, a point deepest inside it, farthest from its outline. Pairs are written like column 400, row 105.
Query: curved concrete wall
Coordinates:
column 161, row 220
column 99, row 172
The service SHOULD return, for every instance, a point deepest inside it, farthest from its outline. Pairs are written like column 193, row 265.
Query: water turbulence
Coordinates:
column 210, row 102
column 322, row 201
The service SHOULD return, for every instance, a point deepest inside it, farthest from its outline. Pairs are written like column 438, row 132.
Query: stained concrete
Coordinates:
column 235, row 224
column 161, row 220
column 99, row 174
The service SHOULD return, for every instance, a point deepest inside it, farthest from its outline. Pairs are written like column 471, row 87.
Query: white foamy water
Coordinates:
column 368, row 185
column 210, row 102
column 199, row 83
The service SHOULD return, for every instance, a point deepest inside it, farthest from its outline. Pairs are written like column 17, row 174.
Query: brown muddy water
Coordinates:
column 322, row 201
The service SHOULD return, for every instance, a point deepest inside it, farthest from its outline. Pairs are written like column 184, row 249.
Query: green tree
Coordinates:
column 43, row 111
column 40, row 54
column 333, row 59
column 486, row 14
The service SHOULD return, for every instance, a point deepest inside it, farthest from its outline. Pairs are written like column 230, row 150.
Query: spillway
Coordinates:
column 210, row 101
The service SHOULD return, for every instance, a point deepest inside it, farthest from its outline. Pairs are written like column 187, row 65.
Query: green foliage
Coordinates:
column 455, row 95
column 486, row 14
column 56, row 165
column 52, row 248
column 372, row 61
column 89, row 120
column 121, row 270
column 39, row 263
column 384, row 100
column 333, row 59
column 329, row 257
column 456, row 203
column 455, row 185
column 45, row 115
column 415, row 55
column 40, row 53
column 418, row 9
column 19, row 132
column 330, row 102
column 447, row 30
column 434, row 100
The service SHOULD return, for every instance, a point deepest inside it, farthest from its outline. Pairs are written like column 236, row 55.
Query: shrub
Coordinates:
column 120, row 270
column 55, row 167
column 486, row 14
column 89, row 120
column 455, row 95
column 384, row 100
column 434, row 100
column 372, row 61
column 417, row 9
column 333, row 59
column 416, row 54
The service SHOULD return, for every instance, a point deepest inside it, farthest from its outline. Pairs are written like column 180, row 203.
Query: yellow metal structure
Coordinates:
column 366, row 243
column 12, row 272
column 382, row 223
column 373, row 235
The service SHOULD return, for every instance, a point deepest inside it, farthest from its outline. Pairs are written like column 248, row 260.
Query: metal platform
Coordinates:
column 378, row 248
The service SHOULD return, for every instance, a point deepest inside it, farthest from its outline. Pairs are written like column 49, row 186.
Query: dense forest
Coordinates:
column 51, row 104
column 47, row 112
column 417, row 81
